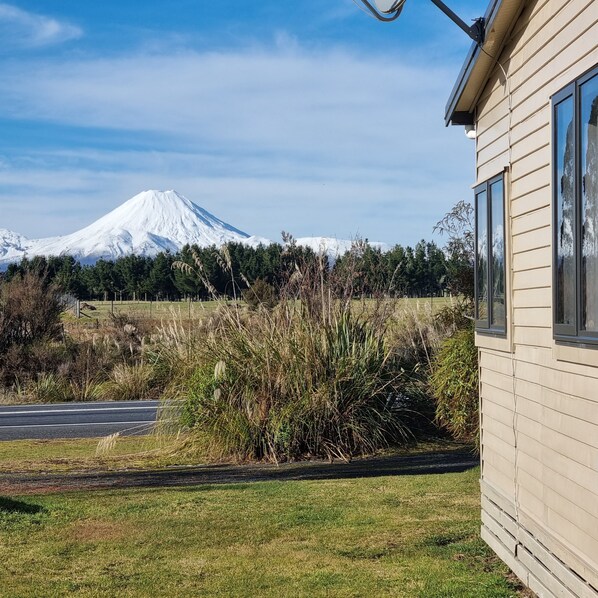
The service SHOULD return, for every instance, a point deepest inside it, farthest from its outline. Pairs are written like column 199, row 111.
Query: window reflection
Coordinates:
column 565, row 181
column 498, row 255
column 589, row 203
column 482, row 253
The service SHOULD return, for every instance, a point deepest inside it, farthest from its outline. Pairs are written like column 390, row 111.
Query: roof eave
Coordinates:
column 499, row 18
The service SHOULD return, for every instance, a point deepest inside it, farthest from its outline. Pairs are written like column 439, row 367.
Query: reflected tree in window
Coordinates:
column 589, row 196
column 565, row 156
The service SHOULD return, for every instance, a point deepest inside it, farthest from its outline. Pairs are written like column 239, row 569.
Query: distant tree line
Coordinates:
column 421, row 271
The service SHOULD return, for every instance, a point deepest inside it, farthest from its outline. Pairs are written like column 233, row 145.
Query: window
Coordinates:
column 575, row 210
column 490, row 257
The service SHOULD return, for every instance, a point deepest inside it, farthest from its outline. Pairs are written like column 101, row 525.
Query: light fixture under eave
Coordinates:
column 470, row 131
column 389, row 10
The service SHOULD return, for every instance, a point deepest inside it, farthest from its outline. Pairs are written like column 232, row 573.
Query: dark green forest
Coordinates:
column 421, row 271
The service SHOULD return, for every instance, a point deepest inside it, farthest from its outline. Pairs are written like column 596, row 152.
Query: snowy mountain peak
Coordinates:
column 150, row 222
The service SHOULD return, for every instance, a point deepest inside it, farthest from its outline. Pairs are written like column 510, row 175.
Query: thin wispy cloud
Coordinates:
column 23, row 29
column 295, row 127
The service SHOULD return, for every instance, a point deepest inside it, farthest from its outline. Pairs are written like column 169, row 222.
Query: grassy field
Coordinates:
column 411, row 536
column 82, row 454
column 157, row 310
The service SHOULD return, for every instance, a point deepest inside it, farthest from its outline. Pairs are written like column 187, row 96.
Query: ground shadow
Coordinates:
column 8, row 505
column 393, row 465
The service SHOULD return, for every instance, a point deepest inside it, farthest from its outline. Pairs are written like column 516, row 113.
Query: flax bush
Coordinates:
column 315, row 376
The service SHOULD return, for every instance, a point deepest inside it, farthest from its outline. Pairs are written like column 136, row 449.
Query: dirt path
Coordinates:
column 431, row 463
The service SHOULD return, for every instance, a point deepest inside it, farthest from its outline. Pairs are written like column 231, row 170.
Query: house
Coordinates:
column 530, row 96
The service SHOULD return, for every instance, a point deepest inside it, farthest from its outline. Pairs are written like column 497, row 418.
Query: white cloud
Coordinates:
column 19, row 28
column 317, row 142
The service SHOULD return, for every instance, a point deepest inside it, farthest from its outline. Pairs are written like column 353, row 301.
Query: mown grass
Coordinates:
column 411, row 536
column 91, row 454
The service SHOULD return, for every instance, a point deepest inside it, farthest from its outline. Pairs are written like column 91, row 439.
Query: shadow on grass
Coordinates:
column 8, row 505
column 394, row 465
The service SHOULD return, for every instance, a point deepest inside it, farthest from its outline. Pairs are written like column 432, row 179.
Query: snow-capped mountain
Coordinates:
column 11, row 242
column 151, row 222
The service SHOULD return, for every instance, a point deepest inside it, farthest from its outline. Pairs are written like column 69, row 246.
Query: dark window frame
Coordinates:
column 484, row 325
column 569, row 333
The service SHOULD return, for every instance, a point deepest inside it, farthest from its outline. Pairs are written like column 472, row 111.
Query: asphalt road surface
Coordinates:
column 76, row 420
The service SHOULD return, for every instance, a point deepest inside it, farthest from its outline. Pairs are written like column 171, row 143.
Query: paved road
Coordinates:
column 76, row 420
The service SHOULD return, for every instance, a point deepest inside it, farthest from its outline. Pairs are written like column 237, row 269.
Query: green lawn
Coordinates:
column 387, row 536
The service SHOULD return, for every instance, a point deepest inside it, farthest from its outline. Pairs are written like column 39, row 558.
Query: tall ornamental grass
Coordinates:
column 313, row 376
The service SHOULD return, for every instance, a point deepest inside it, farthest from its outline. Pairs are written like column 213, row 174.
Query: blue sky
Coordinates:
column 308, row 117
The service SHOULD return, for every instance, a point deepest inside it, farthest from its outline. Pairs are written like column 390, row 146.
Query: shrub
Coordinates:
column 49, row 388
column 128, row 383
column 260, row 294
column 30, row 311
column 455, row 385
column 312, row 377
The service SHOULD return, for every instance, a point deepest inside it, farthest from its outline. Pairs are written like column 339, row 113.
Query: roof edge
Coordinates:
column 496, row 32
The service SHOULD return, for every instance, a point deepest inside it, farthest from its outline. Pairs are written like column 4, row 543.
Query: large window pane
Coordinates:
column 482, row 256
column 589, row 204
column 565, row 216
column 498, row 255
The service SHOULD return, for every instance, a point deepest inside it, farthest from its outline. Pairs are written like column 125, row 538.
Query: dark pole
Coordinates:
column 476, row 31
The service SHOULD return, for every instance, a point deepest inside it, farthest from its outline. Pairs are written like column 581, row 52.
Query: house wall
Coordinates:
column 539, row 401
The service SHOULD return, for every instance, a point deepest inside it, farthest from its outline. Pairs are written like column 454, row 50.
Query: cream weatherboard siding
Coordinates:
column 539, row 401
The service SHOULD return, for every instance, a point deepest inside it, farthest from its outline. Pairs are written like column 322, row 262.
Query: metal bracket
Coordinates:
column 476, row 31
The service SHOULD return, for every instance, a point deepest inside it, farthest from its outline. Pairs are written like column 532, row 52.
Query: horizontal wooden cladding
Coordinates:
column 531, row 260
column 560, row 45
column 497, row 409
column 580, row 503
column 558, row 427
column 535, row 337
column 536, row 141
column 531, row 201
column 493, row 124
column 499, row 430
column 542, row 357
column 532, row 279
column 504, row 463
column 539, row 218
column 584, row 478
column 537, row 158
column 552, row 378
column 539, row 41
column 496, row 400
column 533, row 239
column 524, row 125
column 499, row 145
column 496, row 362
column 585, row 409
column 541, row 297
column 535, row 96
column 540, row 317
column 493, row 168
column 503, row 483
column 533, row 181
